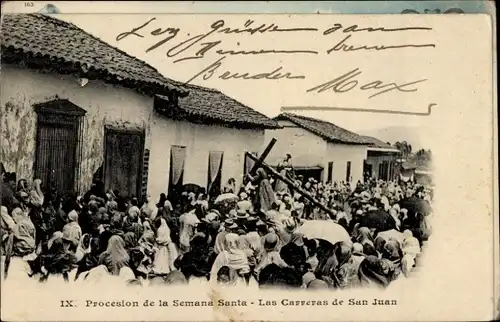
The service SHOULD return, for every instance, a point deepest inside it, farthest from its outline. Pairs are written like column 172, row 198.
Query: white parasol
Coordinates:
column 392, row 234
column 322, row 229
column 226, row 197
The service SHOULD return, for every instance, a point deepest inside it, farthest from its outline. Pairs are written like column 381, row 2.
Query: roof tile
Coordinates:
column 57, row 39
column 211, row 104
column 64, row 42
column 326, row 130
column 378, row 143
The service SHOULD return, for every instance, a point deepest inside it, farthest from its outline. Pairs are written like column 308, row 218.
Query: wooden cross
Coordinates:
column 259, row 163
column 262, row 157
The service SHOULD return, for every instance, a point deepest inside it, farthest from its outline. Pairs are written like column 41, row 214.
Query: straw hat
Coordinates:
column 357, row 248
column 270, row 242
column 253, row 218
column 242, row 214
column 290, row 225
column 230, row 224
column 213, row 215
column 260, row 222
column 232, row 214
column 365, row 198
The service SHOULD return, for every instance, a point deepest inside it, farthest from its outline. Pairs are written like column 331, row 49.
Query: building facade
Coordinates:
column 383, row 161
column 75, row 110
column 319, row 149
column 202, row 140
column 42, row 139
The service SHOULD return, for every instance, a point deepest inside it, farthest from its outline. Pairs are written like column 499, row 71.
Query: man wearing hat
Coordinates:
column 230, row 226
column 244, row 203
column 289, row 232
column 220, row 240
column 271, row 254
column 241, row 218
column 232, row 214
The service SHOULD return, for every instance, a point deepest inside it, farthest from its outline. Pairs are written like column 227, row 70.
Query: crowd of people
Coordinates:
column 249, row 236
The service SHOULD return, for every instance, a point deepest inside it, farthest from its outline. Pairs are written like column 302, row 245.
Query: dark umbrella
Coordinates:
column 415, row 204
column 191, row 187
column 378, row 219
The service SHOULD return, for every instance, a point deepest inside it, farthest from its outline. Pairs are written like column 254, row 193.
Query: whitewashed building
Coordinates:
column 202, row 139
column 382, row 160
column 319, row 149
column 74, row 109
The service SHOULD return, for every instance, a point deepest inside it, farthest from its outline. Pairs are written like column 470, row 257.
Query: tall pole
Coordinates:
column 262, row 157
column 291, row 184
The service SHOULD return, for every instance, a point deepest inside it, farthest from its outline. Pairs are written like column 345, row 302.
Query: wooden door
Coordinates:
column 123, row 161
column 56, row 156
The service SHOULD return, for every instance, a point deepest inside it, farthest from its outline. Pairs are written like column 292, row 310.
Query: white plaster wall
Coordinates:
column 199, row 140
column 105, row 104
column 340, row 154
column 306, row 148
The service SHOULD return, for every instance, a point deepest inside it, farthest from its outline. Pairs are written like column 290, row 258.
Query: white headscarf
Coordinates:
column 10, row 224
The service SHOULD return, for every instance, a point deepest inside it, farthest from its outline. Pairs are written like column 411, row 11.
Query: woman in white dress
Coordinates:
column 166, row 253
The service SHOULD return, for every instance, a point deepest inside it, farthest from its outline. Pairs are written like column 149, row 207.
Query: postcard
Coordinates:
column 207, row 166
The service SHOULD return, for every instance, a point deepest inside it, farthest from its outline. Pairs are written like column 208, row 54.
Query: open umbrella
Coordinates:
column 191, row 187
column 392, row 234
column 327, row 230
column 226, row 197
column 415, row 204
column 378, row 219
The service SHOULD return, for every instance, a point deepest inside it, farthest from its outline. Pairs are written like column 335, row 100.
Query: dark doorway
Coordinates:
column 348, row 172
column 314, row 173
column 391, row 171
column 57, row 144
column 386, row 170
column 383, row 170
column 367, row 170
column 124, row 151
column 330, row 171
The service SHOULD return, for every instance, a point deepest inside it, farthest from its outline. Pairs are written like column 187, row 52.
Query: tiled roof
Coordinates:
column 378, row 143
column 326, row 130
column 204, row 104
column 41, row 38
column 408, row 165
column 29, row 38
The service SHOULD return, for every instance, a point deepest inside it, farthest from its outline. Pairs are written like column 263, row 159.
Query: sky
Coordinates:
column 109, row 20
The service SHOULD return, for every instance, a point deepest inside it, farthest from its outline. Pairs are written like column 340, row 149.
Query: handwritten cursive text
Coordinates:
column 343, row 46
column 348, row 82
column 209, row 71
column 194, row 48
column 356, row 28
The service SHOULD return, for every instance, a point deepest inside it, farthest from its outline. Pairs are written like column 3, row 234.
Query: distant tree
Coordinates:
column 423, row 156
column 404, row 147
